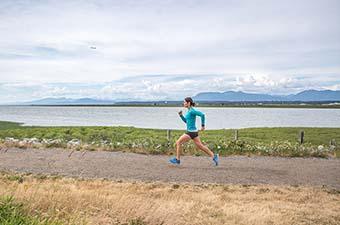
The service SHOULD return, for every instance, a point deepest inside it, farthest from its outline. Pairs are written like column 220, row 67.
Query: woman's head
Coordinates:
column 188, row 102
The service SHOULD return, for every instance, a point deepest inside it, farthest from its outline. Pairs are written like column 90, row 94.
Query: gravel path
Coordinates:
column 130, row 166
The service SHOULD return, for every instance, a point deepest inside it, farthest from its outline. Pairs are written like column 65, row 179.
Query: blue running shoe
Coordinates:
column 215, row 159
column 175, row 161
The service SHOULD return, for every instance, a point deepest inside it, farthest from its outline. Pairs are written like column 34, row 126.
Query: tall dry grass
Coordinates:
column 114, row 202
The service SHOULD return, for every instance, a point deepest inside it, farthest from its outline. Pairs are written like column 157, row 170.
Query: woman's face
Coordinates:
column 186, row 104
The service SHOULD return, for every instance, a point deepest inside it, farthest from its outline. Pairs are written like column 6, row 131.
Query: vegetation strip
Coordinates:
column 318, row 142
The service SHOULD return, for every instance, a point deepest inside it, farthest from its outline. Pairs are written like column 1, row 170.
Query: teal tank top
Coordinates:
column 190, row 119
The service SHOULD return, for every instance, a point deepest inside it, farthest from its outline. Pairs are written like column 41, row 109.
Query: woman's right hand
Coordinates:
column 180, row 113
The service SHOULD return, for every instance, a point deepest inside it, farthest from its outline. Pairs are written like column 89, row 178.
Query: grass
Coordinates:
column 282, row 141
column 13, row 213
column 4, row 125
column 75, row 201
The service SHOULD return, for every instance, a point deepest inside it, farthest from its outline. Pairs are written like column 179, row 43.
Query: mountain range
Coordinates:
column 228, row 96
column 69, row 101
column 239, row 96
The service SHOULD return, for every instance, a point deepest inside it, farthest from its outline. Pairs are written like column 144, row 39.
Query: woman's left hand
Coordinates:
column 202, row 128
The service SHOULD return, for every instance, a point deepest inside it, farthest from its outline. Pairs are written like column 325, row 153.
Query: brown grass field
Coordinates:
column 75, row 201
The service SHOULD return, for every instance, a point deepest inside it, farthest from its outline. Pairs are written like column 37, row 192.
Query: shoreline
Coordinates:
column 242, row 105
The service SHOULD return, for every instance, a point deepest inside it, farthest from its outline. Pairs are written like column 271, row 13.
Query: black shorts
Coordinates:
column 192, row 134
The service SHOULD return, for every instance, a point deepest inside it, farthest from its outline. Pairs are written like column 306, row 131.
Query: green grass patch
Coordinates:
column 13, row 213
column 14, row 177
column 8, row 125
column 280, row 141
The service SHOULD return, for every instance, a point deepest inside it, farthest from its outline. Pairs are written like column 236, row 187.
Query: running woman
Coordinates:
column 192, row 131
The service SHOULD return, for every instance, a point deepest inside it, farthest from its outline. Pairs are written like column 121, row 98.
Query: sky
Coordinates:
column 170, row 49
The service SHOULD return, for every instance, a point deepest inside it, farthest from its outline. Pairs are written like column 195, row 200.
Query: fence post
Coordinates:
column 168, row 136
column 302, row 136
column 236, row 135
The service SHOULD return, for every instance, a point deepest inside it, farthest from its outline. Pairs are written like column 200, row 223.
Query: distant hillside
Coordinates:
column 304, row 96
column 313, row 95
column 69, row 101
column 228, row 96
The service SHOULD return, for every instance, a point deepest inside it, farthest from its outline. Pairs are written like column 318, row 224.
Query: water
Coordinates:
column 167, row 117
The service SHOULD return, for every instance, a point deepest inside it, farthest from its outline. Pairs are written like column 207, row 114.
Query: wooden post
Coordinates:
column 332, row 142
column 236, row 135
column 168, row 136
column 302, row 135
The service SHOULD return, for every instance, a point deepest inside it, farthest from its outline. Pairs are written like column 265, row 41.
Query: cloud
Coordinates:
column 239, row 45
column 265, row 84
column 162, row 87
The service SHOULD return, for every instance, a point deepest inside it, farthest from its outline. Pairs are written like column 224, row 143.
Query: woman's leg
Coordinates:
column 184, row 138
column 204, row 148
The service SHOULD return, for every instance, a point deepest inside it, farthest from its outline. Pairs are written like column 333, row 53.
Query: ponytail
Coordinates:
column 189, row 99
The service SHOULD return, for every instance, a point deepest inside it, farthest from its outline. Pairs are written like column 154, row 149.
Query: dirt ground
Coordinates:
column 137, row 167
